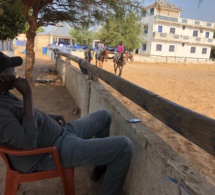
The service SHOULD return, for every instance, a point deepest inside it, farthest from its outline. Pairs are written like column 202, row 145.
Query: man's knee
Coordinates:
column 128, row 145
column 105, row 114
column 128, row 142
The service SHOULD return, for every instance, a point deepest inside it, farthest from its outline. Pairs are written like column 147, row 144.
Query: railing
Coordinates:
column 183, row 38
column 197, row 128
column 185, row 21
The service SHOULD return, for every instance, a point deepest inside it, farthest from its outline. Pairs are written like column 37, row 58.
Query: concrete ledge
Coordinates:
column 156, row 168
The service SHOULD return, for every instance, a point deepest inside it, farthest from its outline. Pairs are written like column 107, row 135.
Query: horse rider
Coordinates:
column 101, row 48
column 87, row 52
column 120, row 49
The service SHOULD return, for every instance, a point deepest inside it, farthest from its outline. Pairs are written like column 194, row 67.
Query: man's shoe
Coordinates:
column 98, row 172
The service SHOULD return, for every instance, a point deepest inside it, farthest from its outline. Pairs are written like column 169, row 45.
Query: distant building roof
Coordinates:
column 163, row 4
column 61, row 30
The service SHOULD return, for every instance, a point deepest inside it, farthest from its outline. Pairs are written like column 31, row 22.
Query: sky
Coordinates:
column 190, row 9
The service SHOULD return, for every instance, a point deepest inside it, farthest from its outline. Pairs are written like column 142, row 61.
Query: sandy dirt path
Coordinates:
column 189, row 85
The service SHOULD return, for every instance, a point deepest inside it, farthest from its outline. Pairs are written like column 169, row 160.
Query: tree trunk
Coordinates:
column 30, row 54
column 2, row 44
column 7, row 45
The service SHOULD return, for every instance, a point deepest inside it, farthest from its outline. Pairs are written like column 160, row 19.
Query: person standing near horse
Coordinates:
column 120, row 50
column 87, row 56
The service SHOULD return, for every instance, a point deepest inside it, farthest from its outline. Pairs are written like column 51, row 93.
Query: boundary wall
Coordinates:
column 172, row 59
column 156, row 168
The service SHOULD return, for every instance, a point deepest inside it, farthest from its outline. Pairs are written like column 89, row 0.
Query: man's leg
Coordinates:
column 118, row 57
column 115, row 152
column 95, row 124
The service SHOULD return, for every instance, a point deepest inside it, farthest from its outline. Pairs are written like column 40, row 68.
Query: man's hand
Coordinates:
column 59, row 118
column 23, row 86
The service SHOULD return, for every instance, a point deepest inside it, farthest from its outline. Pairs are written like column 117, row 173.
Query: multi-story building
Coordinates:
column 166, row 34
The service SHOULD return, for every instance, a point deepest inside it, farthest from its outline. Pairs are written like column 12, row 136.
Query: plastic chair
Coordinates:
column 15, row 178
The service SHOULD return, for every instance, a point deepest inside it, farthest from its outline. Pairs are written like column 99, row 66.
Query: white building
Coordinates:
column 166, row 34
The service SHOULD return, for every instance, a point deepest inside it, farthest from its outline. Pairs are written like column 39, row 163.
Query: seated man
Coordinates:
column 24, row 127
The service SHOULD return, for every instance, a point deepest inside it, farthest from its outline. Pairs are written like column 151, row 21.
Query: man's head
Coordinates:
column 8, row 62
column 7, row 71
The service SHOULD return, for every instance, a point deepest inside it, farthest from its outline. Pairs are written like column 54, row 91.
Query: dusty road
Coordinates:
column 192, row 86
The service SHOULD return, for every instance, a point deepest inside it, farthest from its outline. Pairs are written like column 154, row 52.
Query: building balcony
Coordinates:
column 184, row 22
column 182, row 38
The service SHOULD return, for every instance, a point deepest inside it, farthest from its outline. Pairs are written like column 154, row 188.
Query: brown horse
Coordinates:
column 129, row 56
column 101, row 57
column 119, row 63
column 89, row 55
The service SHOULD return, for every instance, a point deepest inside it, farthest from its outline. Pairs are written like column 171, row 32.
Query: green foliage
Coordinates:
column 12, row 21
column 212, row 52
column 81, row 35
column 78, row 13
column 40, row 29
column 126, row 29
column 212, row 55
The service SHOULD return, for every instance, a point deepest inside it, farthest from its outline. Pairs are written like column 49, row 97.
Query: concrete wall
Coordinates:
column 6, row 46
column 171, row 59
column 156, row 168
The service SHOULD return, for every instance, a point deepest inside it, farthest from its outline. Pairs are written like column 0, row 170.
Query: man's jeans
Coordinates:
column 77, row 149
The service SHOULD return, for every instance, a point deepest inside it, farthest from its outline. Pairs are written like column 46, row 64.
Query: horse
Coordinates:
column 89, row 55
column 129, row 55
column 119, row 64
column 101, row 57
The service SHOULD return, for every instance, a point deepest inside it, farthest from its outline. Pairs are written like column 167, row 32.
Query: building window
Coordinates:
column 195, row 33
column 144, row 47
column 145, row 29
column 172, row 31
column 206, row 34
column 193, row 50
column 204, row 50
column 162, row 34
column 171, row 48
column 209, row 24
column 183, row 27
column 160, row 28
column 158, row 47
column 144, row 13
column 184, row 21
column 197, row 23
column 152, row 11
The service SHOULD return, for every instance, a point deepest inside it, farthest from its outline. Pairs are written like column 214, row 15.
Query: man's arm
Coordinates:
column 23, row 86
column 28, row 130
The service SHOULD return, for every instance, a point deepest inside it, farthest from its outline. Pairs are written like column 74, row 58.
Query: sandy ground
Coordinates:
column 191, row 86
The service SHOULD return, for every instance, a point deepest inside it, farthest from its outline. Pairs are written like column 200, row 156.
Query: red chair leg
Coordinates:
column 11, row 186
column 68, row 183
